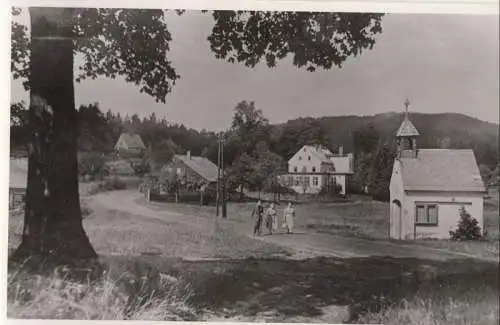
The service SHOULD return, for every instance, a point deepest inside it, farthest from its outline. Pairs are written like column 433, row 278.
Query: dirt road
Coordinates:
column 304, row 243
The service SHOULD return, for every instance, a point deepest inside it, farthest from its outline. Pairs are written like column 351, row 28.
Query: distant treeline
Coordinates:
column 255, row 150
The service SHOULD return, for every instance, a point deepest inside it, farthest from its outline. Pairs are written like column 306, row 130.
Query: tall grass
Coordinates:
column 109, row 298
column 471, row 310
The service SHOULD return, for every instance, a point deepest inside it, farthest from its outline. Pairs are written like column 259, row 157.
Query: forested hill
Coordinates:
column 99, row 131
column 255, row 151
column 444, row 130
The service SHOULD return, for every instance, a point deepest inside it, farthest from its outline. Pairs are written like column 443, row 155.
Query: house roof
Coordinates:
column 321, row 153
column 201, row 165
column 442, row 170
column 131, row 141
column 18, row 177
column 407, row 129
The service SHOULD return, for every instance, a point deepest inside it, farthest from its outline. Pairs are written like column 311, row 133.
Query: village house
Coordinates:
column 314, row 167
column 429, row 186
column 129, row 145
column 18, row 181
column 191, row 169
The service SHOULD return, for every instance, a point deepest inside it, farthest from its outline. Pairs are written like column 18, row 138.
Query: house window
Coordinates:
column 307, row 180
column 300, row 157
column 314, row 169
column 315, row 180
column 295, row 169
column 179, row 171
column 309, row 158
column 426, row 215
column 304, row 169
column 297, row 181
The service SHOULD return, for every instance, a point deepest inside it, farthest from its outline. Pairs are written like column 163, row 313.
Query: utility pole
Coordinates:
column 224, row 206
column 218, row 175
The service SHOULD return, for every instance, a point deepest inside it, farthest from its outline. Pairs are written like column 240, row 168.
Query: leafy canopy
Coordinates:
column 134, row 43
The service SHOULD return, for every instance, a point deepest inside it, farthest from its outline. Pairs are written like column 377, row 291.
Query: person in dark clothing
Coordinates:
column 258, row 214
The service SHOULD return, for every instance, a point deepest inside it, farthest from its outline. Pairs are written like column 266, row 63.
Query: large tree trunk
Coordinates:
column 53, row 221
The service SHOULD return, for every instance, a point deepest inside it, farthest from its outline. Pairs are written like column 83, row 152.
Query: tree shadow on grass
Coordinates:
column 301, row 288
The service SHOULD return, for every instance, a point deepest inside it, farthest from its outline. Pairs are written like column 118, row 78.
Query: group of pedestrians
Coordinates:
column 269, row 217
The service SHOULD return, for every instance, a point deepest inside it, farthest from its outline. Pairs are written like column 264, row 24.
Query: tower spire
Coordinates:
column 407, row 134
column 407, row 103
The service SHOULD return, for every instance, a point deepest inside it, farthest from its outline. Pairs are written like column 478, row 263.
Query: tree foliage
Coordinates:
column 365, row 139
column 239, row 174
column 266, row 167
column 374, row 158
column 286, row 139
column 134, row 43
column 91, row 164
column 314, row 39
column 161, row 152
column 131, row 43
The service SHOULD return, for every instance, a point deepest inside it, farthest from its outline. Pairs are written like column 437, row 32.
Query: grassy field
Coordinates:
column 369, row 219
column 113, row 232
column 365, row 219
column 326, row 290
column 250, row 282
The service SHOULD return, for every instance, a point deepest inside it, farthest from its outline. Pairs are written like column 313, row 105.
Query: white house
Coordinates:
column 314, row 167
column 429, row 186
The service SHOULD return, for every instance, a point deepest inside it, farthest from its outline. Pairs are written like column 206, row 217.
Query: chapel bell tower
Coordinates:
column 406, row 137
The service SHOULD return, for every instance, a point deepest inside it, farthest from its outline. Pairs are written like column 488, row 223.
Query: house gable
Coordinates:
column 306, row 158
column 130, row 142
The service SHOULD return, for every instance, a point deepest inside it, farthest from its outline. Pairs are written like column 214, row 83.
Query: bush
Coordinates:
column 140, row 168
column 332, row 191
column 108, row 185
column 114, row 184
column 86, row 210
column 91, row 164
column 467, row 228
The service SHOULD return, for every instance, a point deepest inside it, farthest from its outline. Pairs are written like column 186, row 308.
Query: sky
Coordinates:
column 442, row 63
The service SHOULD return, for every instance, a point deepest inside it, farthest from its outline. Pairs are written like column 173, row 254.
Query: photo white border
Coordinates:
column 490, row 7
column 406, row 6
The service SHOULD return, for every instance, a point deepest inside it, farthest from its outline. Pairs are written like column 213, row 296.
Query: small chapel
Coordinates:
column 429, row 186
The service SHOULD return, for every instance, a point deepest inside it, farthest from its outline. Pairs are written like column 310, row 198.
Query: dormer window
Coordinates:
column 300, row 157
column 295, row 169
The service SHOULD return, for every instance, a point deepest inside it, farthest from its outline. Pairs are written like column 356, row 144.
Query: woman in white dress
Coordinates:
column 289, row 216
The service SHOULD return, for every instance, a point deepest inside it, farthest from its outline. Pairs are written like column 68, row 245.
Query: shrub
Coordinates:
column 140, row 168
column 91, row 164
column 86, row 210
column 332, row 191
column 467, row 228
column 111, row 184
column 114, row 184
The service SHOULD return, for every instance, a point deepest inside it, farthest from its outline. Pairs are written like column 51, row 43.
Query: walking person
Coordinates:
column 258, row 214
column 271, row 222
column 289, row 216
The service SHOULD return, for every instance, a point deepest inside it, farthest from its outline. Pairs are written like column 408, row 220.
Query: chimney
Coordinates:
column 188, row 154
column 341, row 150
